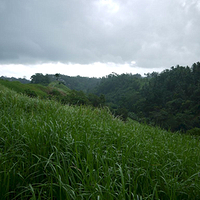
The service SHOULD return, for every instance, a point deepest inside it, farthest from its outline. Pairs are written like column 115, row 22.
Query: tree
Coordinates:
column 96, row 101
column 57, row 76
column 39, row 78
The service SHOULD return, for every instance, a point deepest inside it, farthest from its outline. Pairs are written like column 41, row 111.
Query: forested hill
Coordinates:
column 170, row 99
column 120, row 90
column 73, row 82
column 84, row 84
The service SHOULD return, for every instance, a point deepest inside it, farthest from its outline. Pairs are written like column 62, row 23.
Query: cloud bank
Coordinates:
column 148, row 33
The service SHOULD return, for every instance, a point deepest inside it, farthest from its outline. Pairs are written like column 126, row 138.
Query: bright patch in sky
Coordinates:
column 90, row 70
column 133, row 62
column 198, row 6
column 111, row 6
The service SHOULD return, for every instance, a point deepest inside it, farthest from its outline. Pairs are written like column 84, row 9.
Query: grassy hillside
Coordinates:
column 19, row 87
column 39, row 90
column 50, row 151
column 60, row 87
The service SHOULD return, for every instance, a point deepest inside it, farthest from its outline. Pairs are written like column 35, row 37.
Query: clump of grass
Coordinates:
column 50, row 151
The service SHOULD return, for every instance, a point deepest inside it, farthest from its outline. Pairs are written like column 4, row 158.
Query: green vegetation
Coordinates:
column 52, row 151
column 39, row 78
column 56, row 90
column 39, row 90
column 60, row 87
column 170, row 99
column 22, row 80
column 77, row 83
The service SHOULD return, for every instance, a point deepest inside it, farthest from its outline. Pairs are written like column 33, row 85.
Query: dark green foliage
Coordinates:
column 122, row 113
column 173, row 94
column 96, row 101
column 30, row 93
column 121, row 90
column 170, row 99
column 77, row 98
column 39, row 78
column 194, row 131
column 84, row 84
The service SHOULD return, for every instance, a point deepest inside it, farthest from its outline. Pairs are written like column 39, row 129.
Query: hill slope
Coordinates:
column 59, row 86
column 50, row 151
column 37, row 90
column 19, row 87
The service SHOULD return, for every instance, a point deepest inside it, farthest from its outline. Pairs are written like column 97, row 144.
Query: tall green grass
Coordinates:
column 40, row 90
column 50, row 151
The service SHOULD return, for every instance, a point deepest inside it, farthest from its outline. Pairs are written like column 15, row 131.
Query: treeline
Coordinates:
column 22, row 80
column 78, row 83
column 170, row 99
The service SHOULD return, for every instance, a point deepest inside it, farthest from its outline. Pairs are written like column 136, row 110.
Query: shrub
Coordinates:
column 194, row 131
column 30, row 93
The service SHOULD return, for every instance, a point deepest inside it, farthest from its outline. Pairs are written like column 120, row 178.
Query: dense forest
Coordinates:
column 170, row 99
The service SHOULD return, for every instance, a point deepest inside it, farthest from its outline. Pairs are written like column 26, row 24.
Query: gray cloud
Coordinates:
column 153, row 33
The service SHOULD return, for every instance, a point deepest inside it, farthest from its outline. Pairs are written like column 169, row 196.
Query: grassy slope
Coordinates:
column 41, row 91
column 60, row 87
column 49, row 151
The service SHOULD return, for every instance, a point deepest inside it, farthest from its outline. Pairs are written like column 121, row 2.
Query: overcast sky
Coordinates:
column 97, row 37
